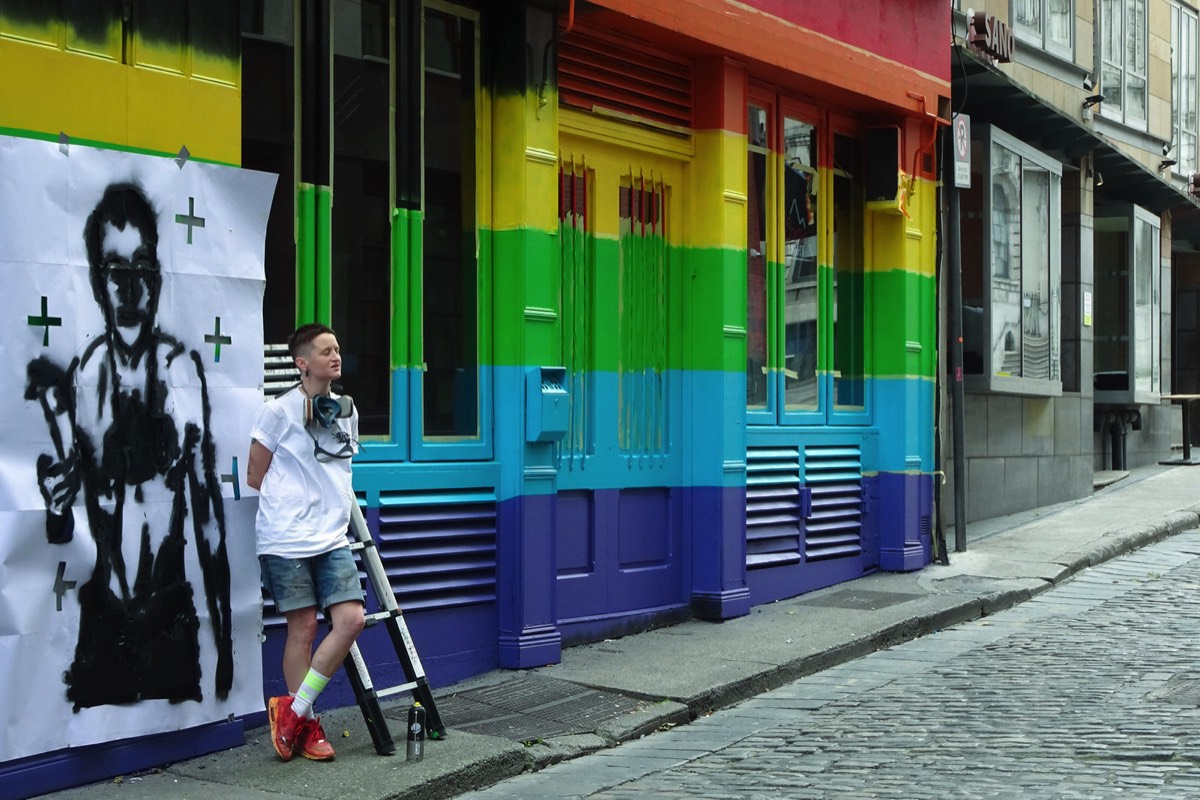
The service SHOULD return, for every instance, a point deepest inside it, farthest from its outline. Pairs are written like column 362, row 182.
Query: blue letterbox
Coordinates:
column 547, row 411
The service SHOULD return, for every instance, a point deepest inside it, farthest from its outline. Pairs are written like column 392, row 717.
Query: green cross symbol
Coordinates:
column 215, row 338
column 46, row 321
column 190, row 219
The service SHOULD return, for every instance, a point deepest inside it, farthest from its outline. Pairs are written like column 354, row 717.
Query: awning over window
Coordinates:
column 992, row 98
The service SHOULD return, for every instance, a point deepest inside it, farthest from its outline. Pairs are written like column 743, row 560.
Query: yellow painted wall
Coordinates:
column 47, row 90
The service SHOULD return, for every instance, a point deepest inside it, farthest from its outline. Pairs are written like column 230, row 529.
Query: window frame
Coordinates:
column 828, row 128
column 990, row 381
column 1040, row 37
column 1117, row 108
column 424, row 447
column 1187, row 158
column 1133, row 215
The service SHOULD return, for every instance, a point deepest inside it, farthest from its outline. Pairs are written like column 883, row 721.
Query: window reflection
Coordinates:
column 756, row 259
column 450, row 401
column 800, row 263
column 361, row 241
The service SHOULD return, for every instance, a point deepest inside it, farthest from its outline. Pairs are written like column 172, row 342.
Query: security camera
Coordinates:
column 1167, row 147
column 1092, row 100
column 1087, row 83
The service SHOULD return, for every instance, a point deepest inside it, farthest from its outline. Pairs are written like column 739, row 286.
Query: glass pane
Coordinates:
column 756, row 259
column 1135, row 98
column 1006, row 286
column 1058, row 28
column 849, row 291
column 1028, row 14
column 1144, row 318
column 1111, row 259
column 361, row 268
column 1036, row 333
column 450, row 402
column 268, row 144
column 801, row 298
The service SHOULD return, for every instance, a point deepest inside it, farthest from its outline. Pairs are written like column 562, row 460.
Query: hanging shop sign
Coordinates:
column 990, row 37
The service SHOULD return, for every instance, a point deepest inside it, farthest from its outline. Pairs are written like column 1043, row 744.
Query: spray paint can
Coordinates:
column 416, row 732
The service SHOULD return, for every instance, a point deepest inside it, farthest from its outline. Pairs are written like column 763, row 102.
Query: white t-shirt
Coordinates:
column 304, row 503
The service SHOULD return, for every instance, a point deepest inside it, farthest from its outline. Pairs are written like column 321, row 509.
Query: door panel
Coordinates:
column 618, row 533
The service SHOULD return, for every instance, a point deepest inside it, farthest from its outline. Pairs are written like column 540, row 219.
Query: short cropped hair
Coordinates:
column 301, row 341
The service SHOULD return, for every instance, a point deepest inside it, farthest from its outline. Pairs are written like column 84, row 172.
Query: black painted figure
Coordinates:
column 129, row 422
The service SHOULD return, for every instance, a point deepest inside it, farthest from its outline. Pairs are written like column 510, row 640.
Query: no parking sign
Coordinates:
column 962, row 151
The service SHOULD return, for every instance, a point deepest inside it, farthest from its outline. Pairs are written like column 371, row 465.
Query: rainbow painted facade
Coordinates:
column 638, row 299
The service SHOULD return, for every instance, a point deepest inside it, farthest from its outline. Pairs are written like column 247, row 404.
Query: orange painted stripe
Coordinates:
column 739, row 29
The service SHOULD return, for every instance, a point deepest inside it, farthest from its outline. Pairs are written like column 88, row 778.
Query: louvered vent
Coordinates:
column 834, row 474
column 439, row 550
column 596, row 70
column 927, row 164
column 773, row 510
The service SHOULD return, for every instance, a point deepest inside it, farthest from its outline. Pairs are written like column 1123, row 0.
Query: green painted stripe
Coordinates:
column 706, row 292
column 324, row 280
column 902, row 336
column 306, row 243
column 53, row 137
column 400, row 264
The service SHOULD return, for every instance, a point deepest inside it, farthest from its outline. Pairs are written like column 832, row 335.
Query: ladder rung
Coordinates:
column 382, row 616
column 383, row 694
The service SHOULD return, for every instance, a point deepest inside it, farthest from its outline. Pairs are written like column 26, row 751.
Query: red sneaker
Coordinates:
column 311, row 741
column 285, row 726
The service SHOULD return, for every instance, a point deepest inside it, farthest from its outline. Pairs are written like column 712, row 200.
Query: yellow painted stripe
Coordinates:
column 98, row 100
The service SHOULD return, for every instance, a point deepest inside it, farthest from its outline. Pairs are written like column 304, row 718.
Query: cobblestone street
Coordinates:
column 1087, row 691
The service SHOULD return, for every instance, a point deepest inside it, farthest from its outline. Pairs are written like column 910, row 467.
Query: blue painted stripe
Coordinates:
column 706, row 434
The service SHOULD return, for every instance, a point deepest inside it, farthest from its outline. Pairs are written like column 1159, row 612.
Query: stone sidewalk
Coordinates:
column 602, row 694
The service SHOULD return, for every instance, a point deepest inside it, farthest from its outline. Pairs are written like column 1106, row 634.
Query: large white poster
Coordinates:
column 132, row 334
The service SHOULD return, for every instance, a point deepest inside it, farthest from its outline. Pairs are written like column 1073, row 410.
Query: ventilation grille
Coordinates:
column 834, row 475
column 773, row 510
column 596, row 70
column 439, row 550
column 927, row 164
column 279, row 370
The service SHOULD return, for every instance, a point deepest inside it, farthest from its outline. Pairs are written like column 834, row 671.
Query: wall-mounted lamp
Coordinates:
column 1166, row 162
column 1099, row 179
column 1092, row 99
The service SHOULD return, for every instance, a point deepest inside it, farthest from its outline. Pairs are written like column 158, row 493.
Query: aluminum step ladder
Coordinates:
column 391, row 617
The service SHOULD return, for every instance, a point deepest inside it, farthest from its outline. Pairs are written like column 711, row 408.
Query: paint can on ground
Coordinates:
column 416, row 732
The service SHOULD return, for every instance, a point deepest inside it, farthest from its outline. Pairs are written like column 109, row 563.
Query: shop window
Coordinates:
column 268, row 144
column 1128, row 307
column 1011, row 220
column 806, row 287
column 1123, row 67
column 1184, row 60
column 1046, row 24
column 450, row 401
column 361, row 263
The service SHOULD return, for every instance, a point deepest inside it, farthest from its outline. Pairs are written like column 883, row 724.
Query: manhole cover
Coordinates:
column 970, row 584
column 859, row 598
column 1181, row 690
column 529, row 706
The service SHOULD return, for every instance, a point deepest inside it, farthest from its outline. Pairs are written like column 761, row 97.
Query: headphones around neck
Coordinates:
column 324, row 409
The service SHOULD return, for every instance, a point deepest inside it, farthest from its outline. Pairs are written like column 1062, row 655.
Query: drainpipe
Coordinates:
column 954, row 264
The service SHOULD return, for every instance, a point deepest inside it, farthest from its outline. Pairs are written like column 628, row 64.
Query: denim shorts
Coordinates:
column 321, row 581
